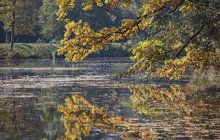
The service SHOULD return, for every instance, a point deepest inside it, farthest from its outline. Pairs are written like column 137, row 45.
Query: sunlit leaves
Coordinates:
column 181, row 35
column 188, row 6
column 80, row 40
column 148, row 55
column 153, row 49
column 63, row 6
column 194, row 59
column 152, row 6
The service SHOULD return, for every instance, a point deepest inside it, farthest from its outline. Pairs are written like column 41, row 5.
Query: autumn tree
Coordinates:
column 53, row 29
column 7, row 15
column 50, row 27
column 179, row 34
column 19, row 17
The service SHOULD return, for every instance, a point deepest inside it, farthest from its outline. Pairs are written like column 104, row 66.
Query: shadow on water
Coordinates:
column 84, row 101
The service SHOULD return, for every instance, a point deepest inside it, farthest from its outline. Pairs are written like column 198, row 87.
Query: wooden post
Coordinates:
column 53, row 53
column 7, row 37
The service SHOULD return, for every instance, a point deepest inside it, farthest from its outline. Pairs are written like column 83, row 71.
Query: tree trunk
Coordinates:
column 13, row 26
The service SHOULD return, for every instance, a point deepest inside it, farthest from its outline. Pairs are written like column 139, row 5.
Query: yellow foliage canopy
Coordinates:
column 177, row 41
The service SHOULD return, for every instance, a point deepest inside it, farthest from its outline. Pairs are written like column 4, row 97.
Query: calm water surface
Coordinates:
column 32, row 90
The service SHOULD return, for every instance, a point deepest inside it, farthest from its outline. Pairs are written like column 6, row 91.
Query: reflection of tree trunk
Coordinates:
column 12, row 25
column 14, row 119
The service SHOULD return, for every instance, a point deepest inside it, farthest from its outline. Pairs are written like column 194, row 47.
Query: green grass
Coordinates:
column 27, row 50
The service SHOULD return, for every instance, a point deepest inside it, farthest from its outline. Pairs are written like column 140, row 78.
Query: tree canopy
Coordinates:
column 25, row 15
column 178, row 34
column 50, row 27
column 19, row 17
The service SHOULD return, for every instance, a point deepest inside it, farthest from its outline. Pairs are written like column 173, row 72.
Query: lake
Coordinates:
column 48, row 100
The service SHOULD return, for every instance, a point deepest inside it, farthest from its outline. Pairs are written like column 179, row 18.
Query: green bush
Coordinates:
column 43, row 50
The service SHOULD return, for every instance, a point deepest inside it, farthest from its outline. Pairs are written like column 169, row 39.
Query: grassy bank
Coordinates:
column 27, row 50
column 45, row 50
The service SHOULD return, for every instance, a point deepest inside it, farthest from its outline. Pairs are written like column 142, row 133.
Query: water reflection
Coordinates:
column 22, row 118
column 178, row 111
column 154, row 101
column 31, row 90
column 15, row 119
column 170, row 112
column 80, row 117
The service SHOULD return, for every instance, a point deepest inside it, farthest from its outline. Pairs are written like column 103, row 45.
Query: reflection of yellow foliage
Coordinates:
column 80, row 117
column 162, row 101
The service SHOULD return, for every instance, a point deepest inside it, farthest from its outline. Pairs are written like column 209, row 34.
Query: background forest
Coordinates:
column 36, row 22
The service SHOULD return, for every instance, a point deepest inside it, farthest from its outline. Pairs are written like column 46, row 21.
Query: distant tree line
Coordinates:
column 36, row 20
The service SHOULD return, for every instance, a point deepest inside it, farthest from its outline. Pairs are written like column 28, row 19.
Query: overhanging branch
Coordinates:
column 190, row 40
